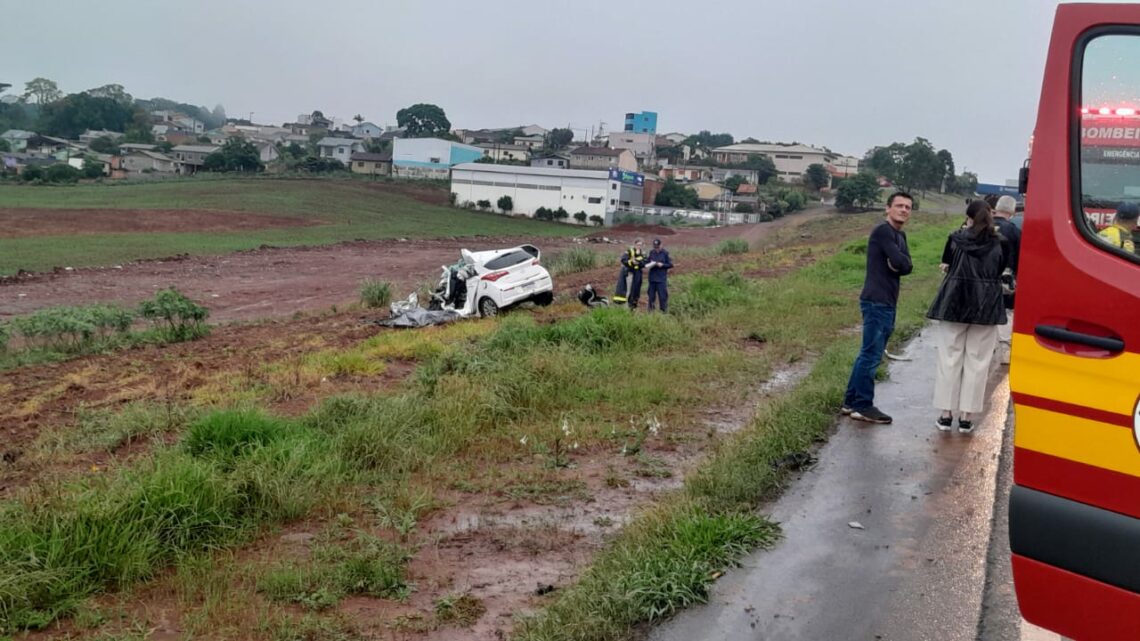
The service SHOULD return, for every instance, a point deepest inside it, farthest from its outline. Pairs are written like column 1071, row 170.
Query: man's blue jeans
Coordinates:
column 878, row 324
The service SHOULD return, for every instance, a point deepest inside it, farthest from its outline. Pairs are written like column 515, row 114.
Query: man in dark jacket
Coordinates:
column 1003, row 220
column 659, row 265
column 888, row 258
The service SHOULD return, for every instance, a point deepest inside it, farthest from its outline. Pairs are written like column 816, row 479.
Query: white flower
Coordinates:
column 566, row 428
column 522, row 440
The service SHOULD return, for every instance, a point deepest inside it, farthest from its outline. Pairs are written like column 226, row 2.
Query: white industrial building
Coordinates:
column 598, row 193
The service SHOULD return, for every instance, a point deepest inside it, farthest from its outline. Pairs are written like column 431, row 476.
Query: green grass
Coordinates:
column 732, row 246
column 573, row 260
column 468, row 407
column 666, row 559
column 375, row 293
column 343, row 209
column 362, row 564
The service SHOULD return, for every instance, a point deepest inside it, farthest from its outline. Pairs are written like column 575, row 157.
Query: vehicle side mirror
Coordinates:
column 1023, row 178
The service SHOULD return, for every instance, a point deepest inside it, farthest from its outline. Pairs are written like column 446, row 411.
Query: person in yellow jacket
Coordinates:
column 628, row 289
column 1119, row 233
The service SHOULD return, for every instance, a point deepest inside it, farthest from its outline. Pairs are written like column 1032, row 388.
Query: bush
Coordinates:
column 375, row 293
column 4, row 336
column 732, row 246
column 561, row 213
column 580, row 217
column 597, row 220
column 506, row 204
column 744, row 208
column 177, row 318
column 61, row 173
column 542, row 213
column 766, row 217
column 483, row 204
column 316, row 165
column 32, row 173
column 72, row 328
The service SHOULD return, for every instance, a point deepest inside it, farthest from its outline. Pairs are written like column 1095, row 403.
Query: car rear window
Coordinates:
column 509, row 260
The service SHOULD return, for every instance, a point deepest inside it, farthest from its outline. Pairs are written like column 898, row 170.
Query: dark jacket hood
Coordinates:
column 972, row 244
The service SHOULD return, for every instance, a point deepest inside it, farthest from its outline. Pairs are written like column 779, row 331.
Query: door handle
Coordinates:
column 1054, row 332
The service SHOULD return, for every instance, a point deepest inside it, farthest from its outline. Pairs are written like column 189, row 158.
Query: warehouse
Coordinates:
column 598, row 193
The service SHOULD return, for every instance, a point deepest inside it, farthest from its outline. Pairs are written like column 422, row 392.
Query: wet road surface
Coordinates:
column 886, row 538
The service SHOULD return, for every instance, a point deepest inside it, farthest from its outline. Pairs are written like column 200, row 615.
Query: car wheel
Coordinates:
column 543, row 299
column 488, row 307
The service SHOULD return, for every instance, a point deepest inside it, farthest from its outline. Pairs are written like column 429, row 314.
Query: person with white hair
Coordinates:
column 1003, row 214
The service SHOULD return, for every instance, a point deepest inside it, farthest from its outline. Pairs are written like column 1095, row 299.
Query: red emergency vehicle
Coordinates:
column 1074, row 513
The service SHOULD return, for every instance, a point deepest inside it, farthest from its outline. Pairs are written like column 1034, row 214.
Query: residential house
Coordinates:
column 747, row 194
column 552, row 161
column 217, row 136
column 504, row 153
column 128, row 147
column 686, row 173
column 711, row 195
column 534, row 130
column 721, row 174
column 843, row 166
column 192, row 157
column 478, row 136
column 430, row 157
column 16, row 162
column 339, row 148
column 266, row 151
column 643, row 145
column 17, row 139
column 602, row 158
column 791, row 160
column 676, row 138
column 93, row 134
column 179, row 120
column 371, row 164
column 366, row 130
column 530, row 142
column 101, row 159
column 146, row 162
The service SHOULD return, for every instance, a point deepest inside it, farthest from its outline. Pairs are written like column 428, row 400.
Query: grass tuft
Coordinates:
column 375, row 293
column 572, row 261
column 732, row 246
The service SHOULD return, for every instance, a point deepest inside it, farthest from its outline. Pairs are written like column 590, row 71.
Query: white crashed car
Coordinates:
column 484, row 282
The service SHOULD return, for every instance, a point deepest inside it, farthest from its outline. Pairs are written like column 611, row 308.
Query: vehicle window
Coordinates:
column 508, row 260
column 1110, row 143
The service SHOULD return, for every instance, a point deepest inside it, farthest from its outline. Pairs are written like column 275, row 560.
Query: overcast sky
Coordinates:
column 965, row 74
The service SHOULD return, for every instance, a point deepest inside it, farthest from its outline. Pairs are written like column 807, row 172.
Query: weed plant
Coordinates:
column 732, row 246
column 375, row 293
column 572, row 261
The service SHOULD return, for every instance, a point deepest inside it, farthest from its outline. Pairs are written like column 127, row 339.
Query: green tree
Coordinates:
column 817, row 176
column 597, row 220
column 114, row 92
column 104, row 145
column 4, row 146
column 92, row 167
column 506, row 204
column 674, row 194
column 78, row 112
column 733, row 182
column 860, row 191
column 580, row 217
column 559, row 138
column 483, row 204
column 708, row 139
column 42, row 91
column 967, row 183
column 946, row 161
column 376, row 146
column 237, row 154
column 744, row 208
column 764, row 167
column 423, row 120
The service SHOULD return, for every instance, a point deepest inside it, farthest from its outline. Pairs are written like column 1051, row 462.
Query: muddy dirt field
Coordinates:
column 278, row 282
column 23, row 223
column 505, row 550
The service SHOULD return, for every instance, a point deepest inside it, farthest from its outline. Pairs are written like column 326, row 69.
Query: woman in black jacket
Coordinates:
column 968, row 308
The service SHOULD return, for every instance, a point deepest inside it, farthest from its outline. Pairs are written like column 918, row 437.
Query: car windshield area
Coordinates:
column 510, row 259
column 1110, row 142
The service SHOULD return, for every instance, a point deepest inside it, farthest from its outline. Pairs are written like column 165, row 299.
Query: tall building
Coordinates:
column 644, row 122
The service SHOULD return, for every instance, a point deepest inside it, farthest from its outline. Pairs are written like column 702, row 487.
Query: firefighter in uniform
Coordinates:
column 628, row 288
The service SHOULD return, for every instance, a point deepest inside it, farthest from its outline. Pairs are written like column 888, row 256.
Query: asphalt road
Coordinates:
column 892, row 536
